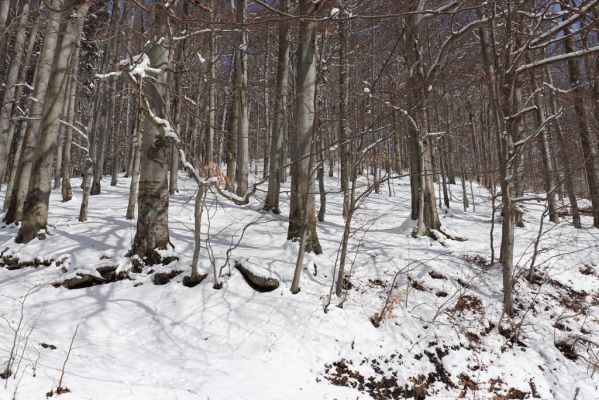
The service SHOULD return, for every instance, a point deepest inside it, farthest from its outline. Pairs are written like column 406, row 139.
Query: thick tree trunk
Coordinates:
column 421, row 160
column 153, row 199
column 4, row 8
column 301, row 216
column 35, row 211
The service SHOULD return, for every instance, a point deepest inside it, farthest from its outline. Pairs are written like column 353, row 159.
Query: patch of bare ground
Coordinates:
column 384, row 384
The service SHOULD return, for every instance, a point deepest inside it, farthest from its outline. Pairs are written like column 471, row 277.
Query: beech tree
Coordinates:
column 153, row 198
column 35, row 209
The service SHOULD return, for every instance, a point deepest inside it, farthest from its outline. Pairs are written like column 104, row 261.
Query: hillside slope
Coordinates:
column 440, row 338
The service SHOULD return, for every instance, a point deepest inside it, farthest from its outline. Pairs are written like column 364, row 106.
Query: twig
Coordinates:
column 61, row 389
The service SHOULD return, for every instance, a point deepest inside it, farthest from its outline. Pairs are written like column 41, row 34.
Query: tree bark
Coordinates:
column 66, row 191
column 588, row 149
column 21, row 132
column 421, row 162
column 211, row 91
column 43, row 72
column 135, row 169
column 301, row 216
column 9, row 100
column 35, row 210
column 344, row 132
column 280, row 118
column 244, row 120
column 153, row 199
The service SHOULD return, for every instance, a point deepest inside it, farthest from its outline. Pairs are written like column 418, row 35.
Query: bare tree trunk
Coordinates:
column 588, row 149
column 60, row 145
column 280, row 118
column 9, row 100
column 174, row 167
column 211, row 91
column 117, row 138
column 35, row 210
column 233, row 128
column 44, row 69
column 244, row 119
column 20, row 139
column 344, row 139
column 507, row 168
column 100, row 135
column 421, row 162
column 550, row 185
column 4, row 8
column 153, row 200
column 565, row 160
column 442, row 171
column 67, row 192
column 301, row 216
column 135, row 169
column 267, row 111
column 198, row 210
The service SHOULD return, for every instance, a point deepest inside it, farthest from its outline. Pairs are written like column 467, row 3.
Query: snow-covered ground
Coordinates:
column 440, row 338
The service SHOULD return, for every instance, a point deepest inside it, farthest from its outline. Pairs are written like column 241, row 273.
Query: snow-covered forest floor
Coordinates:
column 440, row 338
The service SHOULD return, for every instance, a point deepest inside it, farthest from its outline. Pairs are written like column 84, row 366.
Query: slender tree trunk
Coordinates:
column 198, row 210
column 244, row 119
column 280, row 118
column 232, row 134
column 211, row 91
column 116, row 138
column 344, row 139
column 267, row 111
column 443, row 174
column 9, row 100
column 135, row 169
column 60, row 147
column 506, row 166
column 174, row 167
column 67, row 192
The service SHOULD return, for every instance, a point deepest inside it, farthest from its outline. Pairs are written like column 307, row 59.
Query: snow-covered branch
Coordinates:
column 558, row 58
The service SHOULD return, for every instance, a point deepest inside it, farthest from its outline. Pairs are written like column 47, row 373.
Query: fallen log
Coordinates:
column 259, row 283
